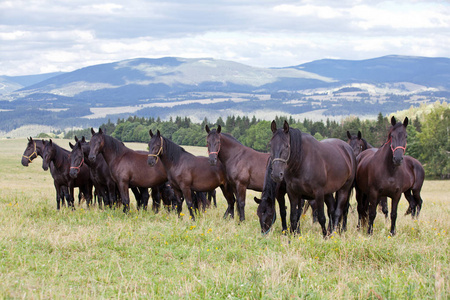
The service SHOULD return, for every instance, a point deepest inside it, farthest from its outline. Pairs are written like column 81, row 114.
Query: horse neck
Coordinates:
column 39, row 147
column 384, row 155
column 61, row 159
column 113, row 148
column 227, row 144
column 168, row 155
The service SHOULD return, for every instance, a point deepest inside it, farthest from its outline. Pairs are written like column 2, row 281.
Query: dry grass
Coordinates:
column 90, row 253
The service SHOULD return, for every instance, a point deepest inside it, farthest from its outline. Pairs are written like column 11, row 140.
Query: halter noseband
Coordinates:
column 34, row 153
column 398, row 147
column 215, row 152
column 281, row 159
column 81, row 163
column 159, row 151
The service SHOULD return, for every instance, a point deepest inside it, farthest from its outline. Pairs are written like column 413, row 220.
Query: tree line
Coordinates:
column 428, row 132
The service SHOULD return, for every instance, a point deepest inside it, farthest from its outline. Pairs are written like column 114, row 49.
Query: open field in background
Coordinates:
column 92, row 253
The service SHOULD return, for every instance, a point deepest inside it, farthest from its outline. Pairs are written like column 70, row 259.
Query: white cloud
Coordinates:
column 41, row 35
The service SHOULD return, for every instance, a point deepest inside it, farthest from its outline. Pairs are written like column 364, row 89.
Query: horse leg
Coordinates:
column 188, row 198
column 361, row 207
column 144, row 199
column 229, row 196
column 123, row 190
column 156, row 199
column 137, row 196
column 394, row 206
column 331, row 211
column 240, row 193
column 372, row 200
column 418, row 200
column 70, row 198
column 384, row 206
column 294, row 219
column 320, row 199
column 412, row 203
column 59, row 192
column 282, row 204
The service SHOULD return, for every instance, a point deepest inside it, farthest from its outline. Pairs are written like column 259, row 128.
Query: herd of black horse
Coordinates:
column 321, row 172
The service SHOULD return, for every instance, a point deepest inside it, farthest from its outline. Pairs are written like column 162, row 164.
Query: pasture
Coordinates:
column 92, row 253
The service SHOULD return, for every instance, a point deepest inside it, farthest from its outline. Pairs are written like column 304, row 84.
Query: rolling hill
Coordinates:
column 211, row 88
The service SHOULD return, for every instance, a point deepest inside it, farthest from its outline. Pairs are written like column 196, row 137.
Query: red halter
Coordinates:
column 81, row 163
column 398, row 147
column 216, row 152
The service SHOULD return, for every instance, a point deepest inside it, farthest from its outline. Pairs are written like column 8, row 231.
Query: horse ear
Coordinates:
column 219, row 129
column 100, row 130
column 273, row 126
column 79, row 145
column 150, row 133
column 393, row 121
column 257, row 200
column 30, row 139
column 83, row 139
column 70, row 145
column 285, row 127
column 359, row 135
column 349, row 135
column 158, row 134
column 76, row 139
column 207, row 128
column 50, row 142
column 92, row 131
column 405, row 122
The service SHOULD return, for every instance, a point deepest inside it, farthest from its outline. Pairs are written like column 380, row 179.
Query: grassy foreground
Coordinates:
column 92, row 253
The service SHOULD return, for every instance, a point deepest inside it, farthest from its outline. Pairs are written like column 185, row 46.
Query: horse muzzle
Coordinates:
column 92, row 157
column 212, row 160
column 73, row 173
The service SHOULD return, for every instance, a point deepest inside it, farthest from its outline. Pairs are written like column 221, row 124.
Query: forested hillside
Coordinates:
column 428, row 132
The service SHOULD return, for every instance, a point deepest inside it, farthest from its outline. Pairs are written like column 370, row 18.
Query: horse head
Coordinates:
column 30, row 152
column 397, row 139
column 280, row 150
column 155, row 147
column 97, row 143
column 266, row 213
column 213, row 143
column 76, row 158
column 48, row 154
column 356, row 142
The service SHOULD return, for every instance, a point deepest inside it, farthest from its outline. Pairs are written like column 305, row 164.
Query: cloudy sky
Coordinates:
column 41, row 36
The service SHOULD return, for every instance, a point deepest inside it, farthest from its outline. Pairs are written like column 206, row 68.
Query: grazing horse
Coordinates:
column 387, row 173
column 313, row 170
column 128, row 167
column 266, row 205
column 100, row 174
column 59, row 157
column 187, row 172
column 34, row 149
column 245, row 167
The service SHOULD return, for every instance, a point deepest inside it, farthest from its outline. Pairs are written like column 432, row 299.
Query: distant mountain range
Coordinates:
column 210, row 88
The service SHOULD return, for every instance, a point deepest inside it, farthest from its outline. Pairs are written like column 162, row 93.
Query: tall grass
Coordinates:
column 93, row 253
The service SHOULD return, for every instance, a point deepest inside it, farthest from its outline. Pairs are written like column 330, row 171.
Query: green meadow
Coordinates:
column 94, row 254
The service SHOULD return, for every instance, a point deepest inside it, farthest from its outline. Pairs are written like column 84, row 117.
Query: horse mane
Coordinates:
column 230, row 137
column 366, row 144
column 62, row 155
column 114, row 144
column 270, row 185
column 295, row 158
column 172, row 150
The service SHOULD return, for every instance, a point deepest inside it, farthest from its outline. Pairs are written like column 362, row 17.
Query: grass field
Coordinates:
column 92, row 253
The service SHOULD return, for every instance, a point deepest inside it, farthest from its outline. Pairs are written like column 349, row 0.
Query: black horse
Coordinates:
column 187, row 173
column 59, row 157
column 313, row 170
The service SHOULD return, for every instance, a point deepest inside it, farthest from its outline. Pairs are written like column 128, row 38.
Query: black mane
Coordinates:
column 172, row 150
